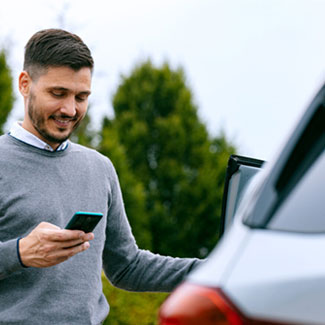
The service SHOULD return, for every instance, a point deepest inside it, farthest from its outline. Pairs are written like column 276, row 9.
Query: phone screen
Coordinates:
column 85, row 221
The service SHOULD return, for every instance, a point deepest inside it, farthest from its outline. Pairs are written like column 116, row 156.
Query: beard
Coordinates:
column 39, row 122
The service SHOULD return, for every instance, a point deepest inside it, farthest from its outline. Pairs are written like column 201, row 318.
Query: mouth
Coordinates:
column 62, row 122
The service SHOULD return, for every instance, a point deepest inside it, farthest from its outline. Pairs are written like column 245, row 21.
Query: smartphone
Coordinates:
column 85, row 221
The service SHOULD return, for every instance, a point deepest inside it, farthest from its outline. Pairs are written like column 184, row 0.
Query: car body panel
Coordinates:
column 217, row 267
column 279, row 275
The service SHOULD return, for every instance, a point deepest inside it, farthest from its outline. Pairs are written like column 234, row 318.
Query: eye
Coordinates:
column 81, row 99
column 57, row 94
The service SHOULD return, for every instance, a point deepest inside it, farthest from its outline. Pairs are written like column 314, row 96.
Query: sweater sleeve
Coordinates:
column 129, row 267
column 9, row 261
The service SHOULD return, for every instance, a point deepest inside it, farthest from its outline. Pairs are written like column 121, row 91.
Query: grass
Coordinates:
column 131, row 308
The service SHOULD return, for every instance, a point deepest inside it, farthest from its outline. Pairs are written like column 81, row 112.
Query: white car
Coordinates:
column 269, row 266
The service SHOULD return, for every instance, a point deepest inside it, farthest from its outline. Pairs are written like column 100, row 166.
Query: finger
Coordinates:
column 64, row 235
column 71, row 243
column 88, row 236
column 71, row 251
column 75, row 242
column 47, row 225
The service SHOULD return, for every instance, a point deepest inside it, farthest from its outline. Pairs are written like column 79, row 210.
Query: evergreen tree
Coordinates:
column 170, row 153
column 6, row 90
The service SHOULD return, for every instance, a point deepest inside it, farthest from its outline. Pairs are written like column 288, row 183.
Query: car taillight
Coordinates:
column 191, row 304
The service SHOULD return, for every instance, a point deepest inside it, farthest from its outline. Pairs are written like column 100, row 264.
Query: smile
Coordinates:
column 62, row 123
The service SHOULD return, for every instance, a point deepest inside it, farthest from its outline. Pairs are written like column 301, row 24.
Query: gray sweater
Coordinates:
column 37, row 185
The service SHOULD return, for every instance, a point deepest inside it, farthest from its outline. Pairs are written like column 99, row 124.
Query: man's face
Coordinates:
column 55, row 103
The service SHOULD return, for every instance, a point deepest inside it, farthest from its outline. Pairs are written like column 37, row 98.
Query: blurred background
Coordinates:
column 252, row 65
column 178, row 86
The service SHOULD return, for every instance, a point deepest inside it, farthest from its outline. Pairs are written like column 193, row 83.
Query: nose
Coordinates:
column 68, row 107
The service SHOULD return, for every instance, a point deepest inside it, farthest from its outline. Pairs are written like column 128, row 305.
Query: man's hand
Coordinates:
column 48, row 245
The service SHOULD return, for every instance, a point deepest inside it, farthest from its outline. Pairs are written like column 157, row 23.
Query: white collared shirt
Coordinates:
column 18, row 132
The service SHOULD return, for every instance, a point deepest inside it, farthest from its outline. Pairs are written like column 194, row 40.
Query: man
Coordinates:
column 50, row 275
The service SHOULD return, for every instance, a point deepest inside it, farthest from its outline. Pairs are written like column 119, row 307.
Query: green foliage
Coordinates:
column 130, row 308
column 169, row 152
column 6, row 90
column 133, row 191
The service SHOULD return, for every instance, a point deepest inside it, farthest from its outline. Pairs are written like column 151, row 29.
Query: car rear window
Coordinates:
column 303, row 210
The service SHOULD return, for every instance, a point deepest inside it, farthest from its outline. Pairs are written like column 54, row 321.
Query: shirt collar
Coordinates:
column 18, row 132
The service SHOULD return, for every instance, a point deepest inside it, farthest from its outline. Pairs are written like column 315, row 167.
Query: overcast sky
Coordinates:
column 253, row 66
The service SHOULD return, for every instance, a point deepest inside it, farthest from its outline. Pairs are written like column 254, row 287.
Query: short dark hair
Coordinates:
column 55, row 48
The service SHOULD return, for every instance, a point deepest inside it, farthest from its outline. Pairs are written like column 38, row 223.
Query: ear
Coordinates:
column 24, row 83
